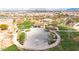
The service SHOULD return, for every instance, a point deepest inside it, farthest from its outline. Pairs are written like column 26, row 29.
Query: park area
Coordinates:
column 57, row 32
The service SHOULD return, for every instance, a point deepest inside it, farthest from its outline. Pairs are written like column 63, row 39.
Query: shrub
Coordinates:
column 3, row 26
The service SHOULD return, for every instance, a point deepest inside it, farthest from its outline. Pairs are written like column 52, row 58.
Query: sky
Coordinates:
column 38, row 3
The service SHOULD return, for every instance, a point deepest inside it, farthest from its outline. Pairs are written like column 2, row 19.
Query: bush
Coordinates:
column 21, row 37
column 25, row 25
column 3, row 26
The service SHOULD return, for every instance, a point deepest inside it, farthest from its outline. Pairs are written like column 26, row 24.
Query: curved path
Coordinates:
column 36, row 42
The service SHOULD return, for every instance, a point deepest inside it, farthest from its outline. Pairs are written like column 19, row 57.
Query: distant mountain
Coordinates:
column 44, row 9
column 52, row 9
column 73, row 9
column 37, row 9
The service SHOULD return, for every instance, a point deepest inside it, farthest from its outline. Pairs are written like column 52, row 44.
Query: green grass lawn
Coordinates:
column 11, row 48
column 67, row 42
